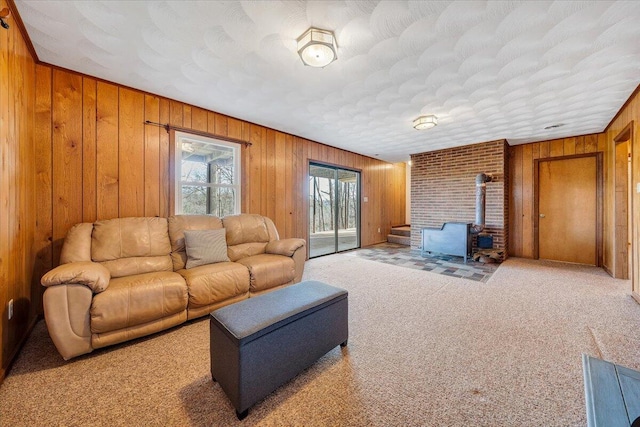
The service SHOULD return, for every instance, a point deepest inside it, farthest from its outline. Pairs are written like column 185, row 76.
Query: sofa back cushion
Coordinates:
column 178, row 224
column 248, row 235
column 127, row 246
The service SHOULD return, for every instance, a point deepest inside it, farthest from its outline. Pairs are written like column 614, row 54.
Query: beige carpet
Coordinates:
column 424, row 349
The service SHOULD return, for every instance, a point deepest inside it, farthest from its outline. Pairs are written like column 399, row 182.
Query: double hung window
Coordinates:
column 207, row 176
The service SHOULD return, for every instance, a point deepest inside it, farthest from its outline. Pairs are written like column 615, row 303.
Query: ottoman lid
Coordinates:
column 252, row 318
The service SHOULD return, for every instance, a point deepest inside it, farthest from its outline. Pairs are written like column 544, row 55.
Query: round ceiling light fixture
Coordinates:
column 425, row 122
column 317, row 48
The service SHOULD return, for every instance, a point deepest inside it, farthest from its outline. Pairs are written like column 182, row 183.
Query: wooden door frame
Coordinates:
column 625, row 136
column 599, row 201
column 308, row 195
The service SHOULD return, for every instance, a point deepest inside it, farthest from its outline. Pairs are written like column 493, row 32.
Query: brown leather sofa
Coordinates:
column 124, row 278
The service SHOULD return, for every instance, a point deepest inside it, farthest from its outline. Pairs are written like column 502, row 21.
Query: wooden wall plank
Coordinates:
column 234, row 128
column 544, row 149
column 131, row 153
column 535, row 150
column 166, row 164
column 254, row 175
column 569, row 146
column 515, row 203
column 221, row 125
column 89, row 149
column 579, row 146
column 270, row 159
column 107, row 168
column 280, row 214
column 591, row 143
column 43, row 169
column 264, row 184
column 186, row 116
column 289, row 188
column 27, row 221
column 6, row 110
column 211, row 122
column 199, row 119
column 176, row 118
column 67, row 155
column 527, row 201
column 152, row 157
column 556, row 148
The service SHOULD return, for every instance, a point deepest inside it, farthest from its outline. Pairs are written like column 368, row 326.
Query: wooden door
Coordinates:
column 567, row 209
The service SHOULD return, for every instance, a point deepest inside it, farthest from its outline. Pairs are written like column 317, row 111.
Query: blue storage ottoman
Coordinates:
column 260, row 343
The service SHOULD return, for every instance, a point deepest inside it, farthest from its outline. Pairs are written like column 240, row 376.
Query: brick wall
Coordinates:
column 443, row 188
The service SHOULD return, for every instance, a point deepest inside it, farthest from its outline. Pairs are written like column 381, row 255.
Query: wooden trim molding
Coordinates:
column 15, row 16
column 627, row 102
column 625, row 134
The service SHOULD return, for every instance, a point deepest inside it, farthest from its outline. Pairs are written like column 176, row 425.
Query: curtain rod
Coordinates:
column 169, row 127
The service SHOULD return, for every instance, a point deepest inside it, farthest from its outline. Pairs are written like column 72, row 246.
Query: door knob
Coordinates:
column 541, row 215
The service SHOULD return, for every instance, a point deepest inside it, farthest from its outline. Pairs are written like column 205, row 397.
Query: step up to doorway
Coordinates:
column 400, row 235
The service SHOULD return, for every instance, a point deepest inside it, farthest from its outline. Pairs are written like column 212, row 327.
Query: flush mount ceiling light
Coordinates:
column 425, row 122
column 317, row 47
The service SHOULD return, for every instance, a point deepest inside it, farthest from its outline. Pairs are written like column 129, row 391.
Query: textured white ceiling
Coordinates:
column 488, row 69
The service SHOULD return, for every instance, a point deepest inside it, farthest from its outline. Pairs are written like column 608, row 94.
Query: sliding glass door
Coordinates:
column 334, row 209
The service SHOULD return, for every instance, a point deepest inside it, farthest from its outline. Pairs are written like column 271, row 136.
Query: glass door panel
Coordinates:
column 321, row 216
column 334, row 210
column 347, row 209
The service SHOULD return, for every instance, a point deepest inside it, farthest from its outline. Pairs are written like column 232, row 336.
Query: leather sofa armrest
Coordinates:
column 91, row 274
column 286, row 247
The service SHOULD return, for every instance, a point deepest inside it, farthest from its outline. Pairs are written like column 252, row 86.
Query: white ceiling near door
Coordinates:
column 487, row 69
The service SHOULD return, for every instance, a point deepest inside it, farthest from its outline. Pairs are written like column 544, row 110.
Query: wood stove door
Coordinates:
column 567, row 209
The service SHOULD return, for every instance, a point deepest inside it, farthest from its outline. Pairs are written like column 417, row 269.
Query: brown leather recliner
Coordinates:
column 125, row 278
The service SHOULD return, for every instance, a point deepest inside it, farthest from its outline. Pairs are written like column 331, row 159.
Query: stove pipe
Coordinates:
column 481, row 191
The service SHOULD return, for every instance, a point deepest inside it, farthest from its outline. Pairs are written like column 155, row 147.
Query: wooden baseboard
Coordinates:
column 636, row 296
column 5, row 371
column 605, row 268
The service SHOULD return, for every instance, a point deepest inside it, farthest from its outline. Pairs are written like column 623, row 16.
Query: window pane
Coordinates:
column 221, row 171
column 222, row 201
column 194, row 200
column 194, row 169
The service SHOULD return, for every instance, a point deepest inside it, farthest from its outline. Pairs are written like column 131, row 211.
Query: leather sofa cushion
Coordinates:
column 245, row 228
column 134, row 300
column 268, row 271
column 177, row 225
column 212, row 283
column 129, row 237
column 138, row 265
column 244, row 250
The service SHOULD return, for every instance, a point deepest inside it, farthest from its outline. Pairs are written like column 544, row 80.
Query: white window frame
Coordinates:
column 181, row 137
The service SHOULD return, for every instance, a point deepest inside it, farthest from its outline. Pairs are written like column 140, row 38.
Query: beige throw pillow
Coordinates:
column 205, row 247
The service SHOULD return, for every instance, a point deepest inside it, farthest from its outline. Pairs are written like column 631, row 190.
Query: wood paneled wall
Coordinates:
column 521, row 185
column 629, row 114
column 17, row 190
column 98, row 160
